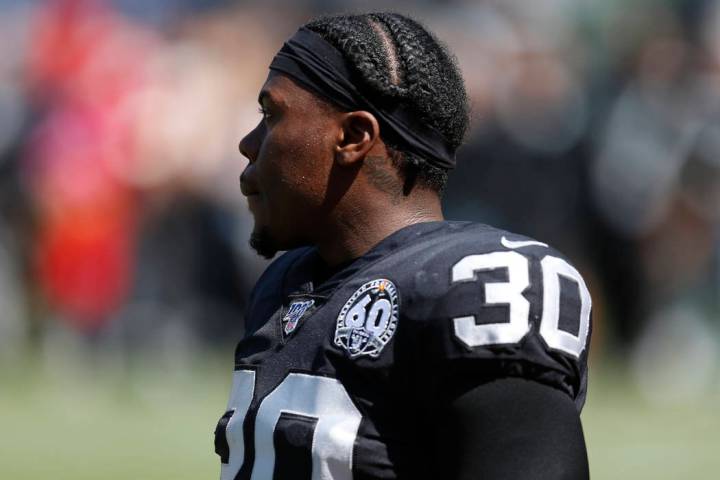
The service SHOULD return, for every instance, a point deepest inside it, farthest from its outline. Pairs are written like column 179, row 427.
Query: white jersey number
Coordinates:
column 510, row 293
column 319, row 398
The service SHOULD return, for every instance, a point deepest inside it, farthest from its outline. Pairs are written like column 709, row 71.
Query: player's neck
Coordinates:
column 363, row 226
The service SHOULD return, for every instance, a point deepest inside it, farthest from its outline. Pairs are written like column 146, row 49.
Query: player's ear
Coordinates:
column 359, row 133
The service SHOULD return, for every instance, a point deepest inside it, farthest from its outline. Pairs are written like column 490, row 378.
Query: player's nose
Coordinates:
column 250, row 144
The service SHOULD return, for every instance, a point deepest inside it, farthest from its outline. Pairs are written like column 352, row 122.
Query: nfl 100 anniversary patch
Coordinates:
column 369, row 319
column 295, row 312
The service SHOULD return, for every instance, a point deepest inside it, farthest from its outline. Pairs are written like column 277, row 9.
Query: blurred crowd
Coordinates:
column 596, row 128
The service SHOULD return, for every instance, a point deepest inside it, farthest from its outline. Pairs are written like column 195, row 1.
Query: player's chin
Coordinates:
column 269, row 239
column 261, row 240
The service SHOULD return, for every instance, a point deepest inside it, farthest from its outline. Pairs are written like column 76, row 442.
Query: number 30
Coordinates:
column 320, row 398
column 510, row 293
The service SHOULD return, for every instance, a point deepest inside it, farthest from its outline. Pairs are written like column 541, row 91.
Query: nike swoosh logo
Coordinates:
column 519, row 244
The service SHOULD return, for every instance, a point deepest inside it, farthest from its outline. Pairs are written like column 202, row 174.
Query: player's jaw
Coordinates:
column 260, row 239
column 262, row 242
column 264, row 235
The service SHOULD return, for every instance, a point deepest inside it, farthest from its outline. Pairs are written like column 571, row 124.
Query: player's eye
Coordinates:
column 264, row 112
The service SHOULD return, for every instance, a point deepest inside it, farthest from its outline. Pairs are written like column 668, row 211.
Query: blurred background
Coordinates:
column 124, row 264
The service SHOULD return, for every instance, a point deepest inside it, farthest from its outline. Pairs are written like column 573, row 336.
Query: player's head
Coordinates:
column 356, row 107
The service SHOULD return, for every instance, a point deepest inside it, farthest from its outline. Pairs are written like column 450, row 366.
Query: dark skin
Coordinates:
column 320, row 176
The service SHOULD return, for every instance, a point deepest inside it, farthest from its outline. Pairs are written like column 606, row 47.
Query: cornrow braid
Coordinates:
column 397, row 60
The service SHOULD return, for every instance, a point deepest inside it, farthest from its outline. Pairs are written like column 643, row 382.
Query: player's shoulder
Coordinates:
column 438, row 272
column 461, row 238
column 435, row 255
column 491, row 301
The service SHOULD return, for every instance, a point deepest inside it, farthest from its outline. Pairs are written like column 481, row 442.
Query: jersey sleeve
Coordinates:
column 481, row 310
column 486, row 429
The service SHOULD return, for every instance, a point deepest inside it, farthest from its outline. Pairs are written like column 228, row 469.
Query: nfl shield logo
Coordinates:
column 295, row 312
column 369, row 319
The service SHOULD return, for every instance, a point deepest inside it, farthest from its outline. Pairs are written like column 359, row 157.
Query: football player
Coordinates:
column 388, row 343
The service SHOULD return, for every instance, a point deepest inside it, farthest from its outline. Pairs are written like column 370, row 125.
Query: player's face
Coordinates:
column 290, row 155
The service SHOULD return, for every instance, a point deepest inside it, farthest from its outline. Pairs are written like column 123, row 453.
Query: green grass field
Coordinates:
column 148, row 422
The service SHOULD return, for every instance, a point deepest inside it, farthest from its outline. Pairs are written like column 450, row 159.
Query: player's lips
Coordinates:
column 253, row 202
column 253, row 196
column 246, row 190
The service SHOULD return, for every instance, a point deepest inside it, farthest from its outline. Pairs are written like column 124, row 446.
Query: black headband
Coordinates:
column 317, row 65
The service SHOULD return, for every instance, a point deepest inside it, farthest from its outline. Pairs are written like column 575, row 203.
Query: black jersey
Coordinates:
column 339, row 374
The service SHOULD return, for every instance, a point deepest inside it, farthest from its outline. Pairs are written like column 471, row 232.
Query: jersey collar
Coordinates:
column 310, row 276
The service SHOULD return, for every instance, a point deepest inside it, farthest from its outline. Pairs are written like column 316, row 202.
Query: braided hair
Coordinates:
column 397, row 60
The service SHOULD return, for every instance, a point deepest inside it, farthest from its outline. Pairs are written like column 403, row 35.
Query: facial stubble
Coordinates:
column 261, row 241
